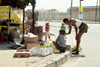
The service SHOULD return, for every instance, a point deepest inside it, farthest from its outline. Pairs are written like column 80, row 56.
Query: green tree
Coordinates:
column 54, row 10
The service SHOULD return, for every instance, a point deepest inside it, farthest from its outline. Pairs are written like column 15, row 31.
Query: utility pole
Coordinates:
column 71, row 9
column 80, row 2
column 96, row 11
column 99, row 11
column 80, row 11
column 80, row 8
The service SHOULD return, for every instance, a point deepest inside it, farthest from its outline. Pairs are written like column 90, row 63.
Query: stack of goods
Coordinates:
column 31, row 40
column 43, row 50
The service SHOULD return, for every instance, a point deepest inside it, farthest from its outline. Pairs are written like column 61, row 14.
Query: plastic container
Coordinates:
column 41, row 51
column 63, row 26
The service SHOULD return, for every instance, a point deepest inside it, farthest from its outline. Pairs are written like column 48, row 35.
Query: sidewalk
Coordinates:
column 7, row 59
column 53, row 60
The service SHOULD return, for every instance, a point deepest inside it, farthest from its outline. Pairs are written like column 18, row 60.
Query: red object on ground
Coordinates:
column 1, row 38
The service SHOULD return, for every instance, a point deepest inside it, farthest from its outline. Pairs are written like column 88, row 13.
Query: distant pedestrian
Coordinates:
column 60, row 42
column 47, row 29
column 78, row 25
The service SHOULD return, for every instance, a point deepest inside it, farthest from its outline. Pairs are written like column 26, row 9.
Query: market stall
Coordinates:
column 21, row 4
column 7, row 21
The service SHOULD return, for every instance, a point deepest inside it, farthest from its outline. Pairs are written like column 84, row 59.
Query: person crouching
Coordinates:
column 60, row 42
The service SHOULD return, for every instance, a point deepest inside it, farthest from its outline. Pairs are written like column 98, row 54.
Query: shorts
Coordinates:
column 47, row 34
column 83, row 28
column 59, row 48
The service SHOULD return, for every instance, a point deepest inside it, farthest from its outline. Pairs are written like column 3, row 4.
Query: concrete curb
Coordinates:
column 56, row 62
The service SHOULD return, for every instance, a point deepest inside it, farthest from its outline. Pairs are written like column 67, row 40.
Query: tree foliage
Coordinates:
column 54, row 10
column 22, row 3
column 15, row 3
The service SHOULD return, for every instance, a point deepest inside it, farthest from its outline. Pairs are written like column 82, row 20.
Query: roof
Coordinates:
column 43, row 10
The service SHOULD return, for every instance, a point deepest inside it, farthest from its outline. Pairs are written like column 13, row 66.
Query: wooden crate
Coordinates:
column 22, row 53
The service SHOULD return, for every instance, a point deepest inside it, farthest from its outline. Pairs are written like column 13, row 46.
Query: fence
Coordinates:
column 87, row 16
column 52, row 16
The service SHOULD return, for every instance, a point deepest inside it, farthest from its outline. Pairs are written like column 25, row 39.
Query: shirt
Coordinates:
column 61, row 40
column 47, row 28
column 78, row 22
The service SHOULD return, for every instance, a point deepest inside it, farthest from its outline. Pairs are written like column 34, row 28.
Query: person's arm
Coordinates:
column 57, row 40
column 70, row 28
column 75, row 26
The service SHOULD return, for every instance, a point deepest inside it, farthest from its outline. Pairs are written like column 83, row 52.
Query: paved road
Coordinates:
column 90, row 42
column 90, row 55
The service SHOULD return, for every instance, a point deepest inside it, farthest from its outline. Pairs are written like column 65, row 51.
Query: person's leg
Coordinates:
column 78, row 41
column 49, row 36
column 46, row 36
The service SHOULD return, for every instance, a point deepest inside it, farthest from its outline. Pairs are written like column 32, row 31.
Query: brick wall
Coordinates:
column 84, row 9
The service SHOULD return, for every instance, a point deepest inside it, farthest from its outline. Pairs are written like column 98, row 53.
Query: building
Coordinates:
column 85, row 9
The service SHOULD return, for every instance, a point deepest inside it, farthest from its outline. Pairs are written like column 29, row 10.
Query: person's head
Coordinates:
column 47, row 23
column 62, row 31
column 66, row 21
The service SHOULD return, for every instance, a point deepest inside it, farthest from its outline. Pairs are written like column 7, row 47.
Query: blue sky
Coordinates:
column 61, row 5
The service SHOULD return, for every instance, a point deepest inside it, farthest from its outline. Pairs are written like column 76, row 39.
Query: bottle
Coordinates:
column 63, row 26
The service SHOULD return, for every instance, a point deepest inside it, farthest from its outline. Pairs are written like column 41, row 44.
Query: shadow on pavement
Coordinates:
column 10, row 46
column 79, row 55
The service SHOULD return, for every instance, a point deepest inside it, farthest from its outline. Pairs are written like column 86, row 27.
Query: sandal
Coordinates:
column 74, row 50
column 76, row 53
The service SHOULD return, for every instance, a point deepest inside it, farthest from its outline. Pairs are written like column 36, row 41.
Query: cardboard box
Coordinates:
column 22, row 53
column 30, row 45
column 31, row 39
column 41, row 51
column 68, row 47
